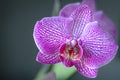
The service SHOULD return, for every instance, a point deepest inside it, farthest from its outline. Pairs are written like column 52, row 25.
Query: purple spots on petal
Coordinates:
column 48, row 59
column 86, row 71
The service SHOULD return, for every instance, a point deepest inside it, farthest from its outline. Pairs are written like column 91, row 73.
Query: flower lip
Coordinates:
column 71, row 52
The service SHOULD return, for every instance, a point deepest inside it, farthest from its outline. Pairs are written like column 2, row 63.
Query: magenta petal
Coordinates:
column 66, row 62
column 106, row 23
column 86, row 71
column 48, row 59
column 82, row 15
column 68, row 9
column 91, row 4
column 99, row 48
column 51, row 32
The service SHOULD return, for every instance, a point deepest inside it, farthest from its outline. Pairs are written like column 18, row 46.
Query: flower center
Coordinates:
column 70, row 53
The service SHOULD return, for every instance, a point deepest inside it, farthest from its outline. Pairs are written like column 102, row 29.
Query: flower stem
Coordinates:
column 56, row 7
column 69, row 77
column 41, row 73
column 62, row 72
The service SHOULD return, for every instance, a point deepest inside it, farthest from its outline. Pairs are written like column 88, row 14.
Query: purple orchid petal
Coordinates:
column 68, row 9
column 91, row 4
column 86, row 71
column 99, row 47
column 51, row 32
column 48, row 59
column 82, row 15
column 106, row 23
column 66, row 62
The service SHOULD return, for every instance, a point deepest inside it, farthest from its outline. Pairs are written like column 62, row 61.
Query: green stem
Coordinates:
column 50, row 68
column 62, row 72
column 56, row 7
column 42, row 72
column 69, row 77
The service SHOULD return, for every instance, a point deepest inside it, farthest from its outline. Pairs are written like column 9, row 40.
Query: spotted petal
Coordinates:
column 82, row 15
column 51, row 32
column 48, row 59
column 86, row 71
column 66, row 62
column 98, row 45
column 91, row 4
column 68, row 9
column 106, row 23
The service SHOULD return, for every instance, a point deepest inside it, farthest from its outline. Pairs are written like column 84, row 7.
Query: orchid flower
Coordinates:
column 76, row 38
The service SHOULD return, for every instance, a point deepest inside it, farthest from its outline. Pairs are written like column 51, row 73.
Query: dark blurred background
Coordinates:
column 17, row 48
